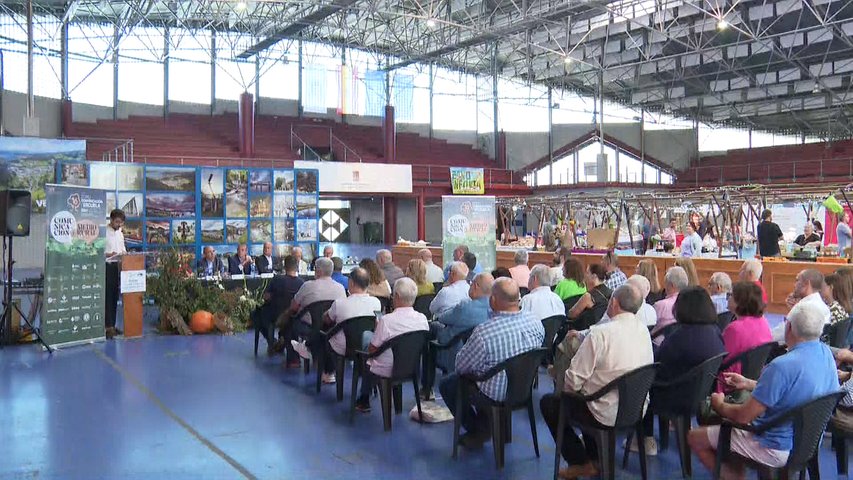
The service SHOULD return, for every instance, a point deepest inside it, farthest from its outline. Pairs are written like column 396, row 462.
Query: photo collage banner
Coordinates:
column 193, row 207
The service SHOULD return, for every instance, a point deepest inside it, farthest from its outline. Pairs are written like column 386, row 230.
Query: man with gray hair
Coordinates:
column 403, row 319
column 302, row 265
column 458, row 253
column 674, row 282
column 455, row 291
column 386, row 264
column 807, row 288
column 720, row 287
column 520, row 272
column 803, row 374
column 322, row 288
column 433, row 271
column 541, row 302
column 608, row 351
column 751, row 271
column 646, row 314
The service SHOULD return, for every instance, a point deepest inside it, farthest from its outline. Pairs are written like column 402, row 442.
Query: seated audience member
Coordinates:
column 508, row 332
column 751, row 271
column 843, row 416
column 646, row 313
column 592, row 305
column 210, row 265
column 520, row 272
column 266, row 263
column 560, row 258
column 572, row 280
column 434, row 273
column 720, row 288
column 416, row 270
column 337, row 273
column 466, row 315
column 695, row 340
column 749, row 328
column 838, row 295
column 403, row 319
column 470, row 261
column 607, row 352
column 807, row 288
column 455, row 291
column 808, row 236
column 669, row 236
column 674, row 282
column 357, row 304
column 379, row 286
column 690, row 269
column 541, row 302
column 458, row 253
column 648, row 269
column 501, row 272
column 615, row 277
column 303, row 265
column 277, row 298
column 386, row 264
column 241, row 263
column 322, row 288
column 806, row 372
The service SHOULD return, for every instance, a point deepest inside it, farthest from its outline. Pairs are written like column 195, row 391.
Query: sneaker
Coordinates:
column 650, row 444
column 328, row 378
column 301, row 349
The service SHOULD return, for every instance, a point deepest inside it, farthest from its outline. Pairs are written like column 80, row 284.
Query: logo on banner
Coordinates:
column 74, row 202
column 457, row 225
column 87, row 230
column 63, row 226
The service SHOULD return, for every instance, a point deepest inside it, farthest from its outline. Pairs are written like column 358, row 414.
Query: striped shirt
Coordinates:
column 502, row 336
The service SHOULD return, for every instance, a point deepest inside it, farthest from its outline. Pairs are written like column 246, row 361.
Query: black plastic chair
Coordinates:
column 353, row 330
column 316, row 310
column 437, row 286
column 387, row 304
column 633, row 388
column 809, row 420
column 522, row 291
column 431, row 356
column 422, row 304
column 665, row 331
column 552, row 325
column 520, row 371
column 407, row 349
column 836, row 334
column 840, row 435
column 691, row 388
column 570, row 302
column 724, row 319
column 270, row 331
column 751, row 361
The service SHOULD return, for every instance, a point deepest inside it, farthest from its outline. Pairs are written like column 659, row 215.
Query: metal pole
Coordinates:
column 299, row 82
column 116, row 37
column 550, row 136
column 643, row 146
column 165, row 72
column 431, row 85
column 495, row 98
column 31, row 99
column 257, row 83
column 63, row 60
column 212, row 72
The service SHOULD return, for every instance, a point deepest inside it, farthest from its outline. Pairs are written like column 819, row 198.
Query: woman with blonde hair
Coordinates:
column 416, row 270
column 687, row 264
column 648, row 269
column 379, row 286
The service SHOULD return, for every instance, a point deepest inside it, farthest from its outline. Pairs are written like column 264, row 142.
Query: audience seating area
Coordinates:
column 811, row 162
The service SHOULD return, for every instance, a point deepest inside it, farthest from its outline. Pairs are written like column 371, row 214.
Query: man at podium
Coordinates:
column 114, row 249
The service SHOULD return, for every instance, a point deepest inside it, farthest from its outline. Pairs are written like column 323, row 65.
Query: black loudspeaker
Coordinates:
column 15, row 209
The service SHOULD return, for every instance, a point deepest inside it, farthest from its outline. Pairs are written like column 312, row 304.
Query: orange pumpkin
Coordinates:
column 201, row 322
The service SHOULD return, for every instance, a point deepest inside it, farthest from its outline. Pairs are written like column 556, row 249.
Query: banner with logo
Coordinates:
column 469, row 221
column 74, row 270
column 467, row 181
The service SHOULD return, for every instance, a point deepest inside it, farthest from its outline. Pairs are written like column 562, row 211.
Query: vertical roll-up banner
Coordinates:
column 469, row 221
column 74, row 265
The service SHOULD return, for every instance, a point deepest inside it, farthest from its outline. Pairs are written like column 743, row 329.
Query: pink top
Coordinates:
column 521, row 275
column 763, row 291
column 741, row 335
column 663, row 309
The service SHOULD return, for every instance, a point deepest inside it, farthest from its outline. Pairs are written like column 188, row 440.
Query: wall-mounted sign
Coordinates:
column 467, row 181
column 349, row 177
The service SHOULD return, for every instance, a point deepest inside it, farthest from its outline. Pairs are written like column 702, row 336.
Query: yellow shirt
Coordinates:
column 426, row 289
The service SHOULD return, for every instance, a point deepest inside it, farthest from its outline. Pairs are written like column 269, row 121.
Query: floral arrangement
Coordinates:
column 174, row 288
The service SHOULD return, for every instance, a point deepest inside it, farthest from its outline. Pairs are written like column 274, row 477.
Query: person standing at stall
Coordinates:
column 115, row 248
column 842, row 231
column 769, row 235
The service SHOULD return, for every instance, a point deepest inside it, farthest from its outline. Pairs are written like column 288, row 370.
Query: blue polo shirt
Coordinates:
column 803, row 374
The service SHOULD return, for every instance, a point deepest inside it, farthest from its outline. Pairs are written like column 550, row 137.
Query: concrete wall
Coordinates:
column 407, row 218
column 276, row 106
column 29, row 251
column 432, row 217
column 363, row 210
column 15, row 110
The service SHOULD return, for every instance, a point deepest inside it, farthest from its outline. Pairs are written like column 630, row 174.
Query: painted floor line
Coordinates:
column 174, row 416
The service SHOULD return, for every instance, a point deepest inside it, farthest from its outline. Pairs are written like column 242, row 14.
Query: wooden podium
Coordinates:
column 132, row 301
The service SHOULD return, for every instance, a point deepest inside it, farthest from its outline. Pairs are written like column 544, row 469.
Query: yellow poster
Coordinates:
column 467, row 181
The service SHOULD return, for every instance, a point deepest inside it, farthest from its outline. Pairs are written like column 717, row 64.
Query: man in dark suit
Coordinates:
column 266, row 263
column 209, row 265
column 240, row 264
column 277, row 299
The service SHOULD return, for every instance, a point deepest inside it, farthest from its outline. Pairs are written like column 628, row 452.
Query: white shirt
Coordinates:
column 448, row 297
column 401, row 320
column 356, row 305
column 556, row 275
column 814, row 299
column 115, row 242
column 542, row 303
column 609, row 351
column 317, row 291
column 434, row 274
column 647, row 315
column 303, row 267
column 721, row 302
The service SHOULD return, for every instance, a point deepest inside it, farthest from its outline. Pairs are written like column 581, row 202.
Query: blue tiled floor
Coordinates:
column 204, row 407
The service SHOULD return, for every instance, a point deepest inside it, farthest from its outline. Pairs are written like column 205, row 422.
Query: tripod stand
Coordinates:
column 6, row 318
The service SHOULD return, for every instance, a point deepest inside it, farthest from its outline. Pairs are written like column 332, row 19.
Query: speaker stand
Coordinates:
column 8, row 305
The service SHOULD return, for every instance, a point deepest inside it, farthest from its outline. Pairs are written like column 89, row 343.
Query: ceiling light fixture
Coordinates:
column 431, row 23
column 241, row 6
column 722, row 24
column 568, row 60
column 816, row 88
